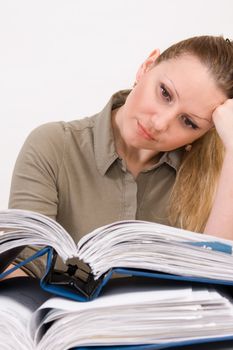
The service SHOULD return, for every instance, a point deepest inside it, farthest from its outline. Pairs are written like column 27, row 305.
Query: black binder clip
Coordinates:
column 77, row 277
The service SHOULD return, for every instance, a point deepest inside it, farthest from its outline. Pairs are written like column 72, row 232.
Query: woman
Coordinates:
column 161, row 152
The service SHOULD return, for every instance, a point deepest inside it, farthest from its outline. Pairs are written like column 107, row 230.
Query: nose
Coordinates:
column 161, row 122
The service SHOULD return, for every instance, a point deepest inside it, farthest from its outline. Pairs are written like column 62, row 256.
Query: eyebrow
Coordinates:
column 202, row 118
column 191, row 114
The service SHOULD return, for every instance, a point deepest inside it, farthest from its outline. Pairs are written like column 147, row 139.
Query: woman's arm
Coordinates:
column 220, row 222
column 34, row 181
column 16, row 273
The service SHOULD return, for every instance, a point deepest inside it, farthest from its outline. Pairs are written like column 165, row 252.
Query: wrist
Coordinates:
column 227, row 165
column 227, row 144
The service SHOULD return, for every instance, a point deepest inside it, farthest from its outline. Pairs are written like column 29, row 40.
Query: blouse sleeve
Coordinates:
column 34, row 179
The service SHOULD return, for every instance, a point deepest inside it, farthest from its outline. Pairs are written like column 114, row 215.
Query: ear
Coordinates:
column 147, row 64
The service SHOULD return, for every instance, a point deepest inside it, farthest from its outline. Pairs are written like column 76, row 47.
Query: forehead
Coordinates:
column 191, row 78
column 184, row 63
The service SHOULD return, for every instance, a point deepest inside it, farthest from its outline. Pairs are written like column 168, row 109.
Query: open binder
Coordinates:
column 80, row 284
column 26, row 286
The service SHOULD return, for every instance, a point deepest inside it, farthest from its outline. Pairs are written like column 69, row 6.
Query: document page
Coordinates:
column 136, row 314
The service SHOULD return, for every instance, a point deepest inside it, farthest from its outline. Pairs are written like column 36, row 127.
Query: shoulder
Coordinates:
column 52, row 130
column 56, row 132
column 51, row 140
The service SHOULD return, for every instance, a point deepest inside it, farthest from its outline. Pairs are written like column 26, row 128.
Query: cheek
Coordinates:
column 191, row 136
column 179, row 137
column 132, row 101
column 142, row 99
column 201, row 133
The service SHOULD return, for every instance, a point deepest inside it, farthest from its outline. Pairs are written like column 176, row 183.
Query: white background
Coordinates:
column 63, row 59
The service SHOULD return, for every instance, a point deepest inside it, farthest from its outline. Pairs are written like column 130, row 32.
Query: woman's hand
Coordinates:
column 223, row 121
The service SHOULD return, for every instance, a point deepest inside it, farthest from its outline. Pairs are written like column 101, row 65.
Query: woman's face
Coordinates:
column 170, row 106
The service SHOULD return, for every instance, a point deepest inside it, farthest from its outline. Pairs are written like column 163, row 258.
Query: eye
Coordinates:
column 165, row 93
column 189, row 123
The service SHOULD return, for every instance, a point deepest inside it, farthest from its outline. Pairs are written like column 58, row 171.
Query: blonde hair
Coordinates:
column 195, row 186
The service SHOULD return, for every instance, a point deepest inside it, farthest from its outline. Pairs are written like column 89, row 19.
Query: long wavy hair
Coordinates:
column 196, row 182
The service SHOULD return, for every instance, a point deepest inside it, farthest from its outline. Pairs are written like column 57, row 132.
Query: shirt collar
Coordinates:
column 172, row 158
column 104, row 146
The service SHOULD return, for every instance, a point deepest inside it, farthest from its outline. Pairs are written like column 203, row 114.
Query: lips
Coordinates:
column 144, row 132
